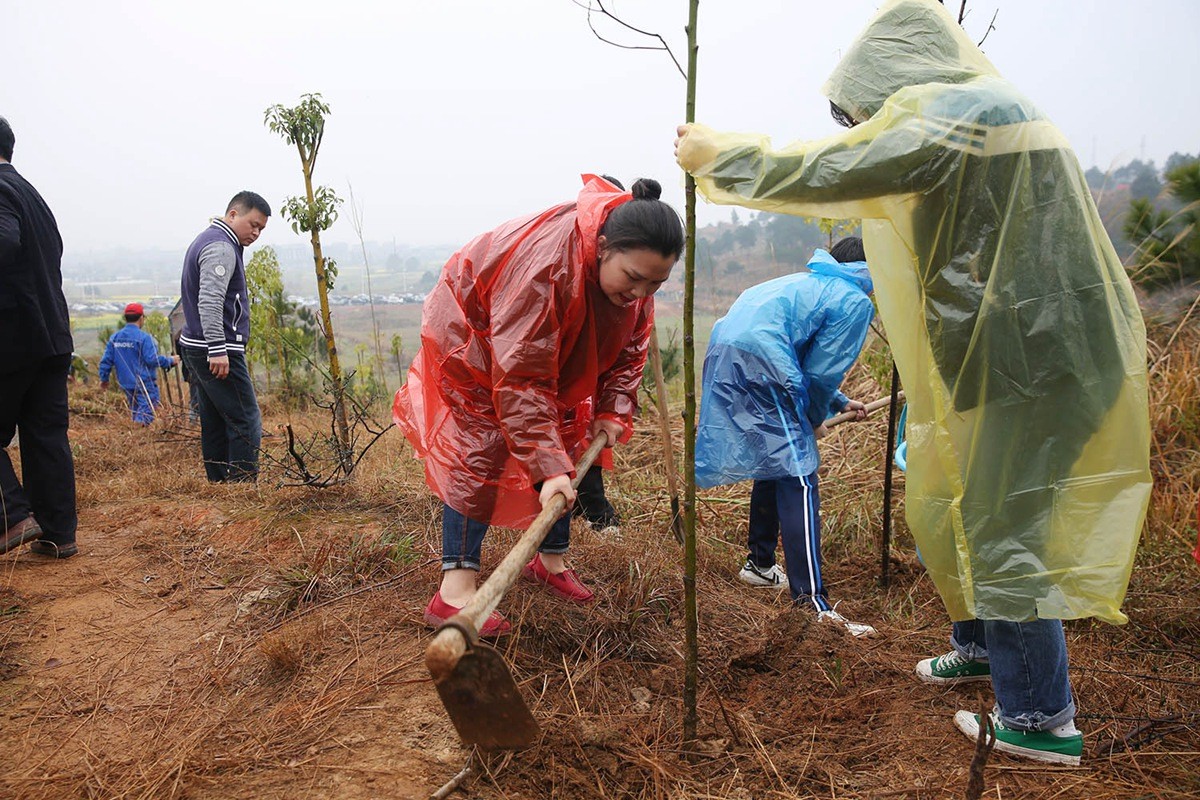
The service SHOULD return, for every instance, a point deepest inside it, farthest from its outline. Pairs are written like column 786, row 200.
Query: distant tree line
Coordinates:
column 1164, row 227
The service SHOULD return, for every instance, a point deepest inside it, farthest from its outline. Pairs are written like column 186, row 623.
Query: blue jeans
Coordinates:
column 462, row 539
column 790, row 508
column 230, row 420
column 1029, row 669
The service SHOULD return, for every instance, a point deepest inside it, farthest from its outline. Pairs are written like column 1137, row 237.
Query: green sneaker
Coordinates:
column 1048, row 746
column 953, row 667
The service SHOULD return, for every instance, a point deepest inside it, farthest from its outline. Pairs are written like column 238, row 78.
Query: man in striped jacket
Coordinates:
column 216, row 311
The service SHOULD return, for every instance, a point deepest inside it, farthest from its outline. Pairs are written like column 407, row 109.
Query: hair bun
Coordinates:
column 646, row 189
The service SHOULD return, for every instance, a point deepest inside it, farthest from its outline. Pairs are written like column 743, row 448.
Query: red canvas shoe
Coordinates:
column 565, row 584
column 438, row 611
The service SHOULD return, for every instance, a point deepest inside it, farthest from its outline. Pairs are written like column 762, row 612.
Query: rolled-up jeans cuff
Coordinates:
column 458, row 563
column 970, row 650
column 558, row 539
column 1037, row 721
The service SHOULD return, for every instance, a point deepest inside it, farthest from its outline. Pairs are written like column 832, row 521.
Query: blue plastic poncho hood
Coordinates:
column 854, row 271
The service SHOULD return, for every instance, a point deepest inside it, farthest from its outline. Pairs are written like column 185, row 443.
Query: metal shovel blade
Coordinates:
column 482, row 700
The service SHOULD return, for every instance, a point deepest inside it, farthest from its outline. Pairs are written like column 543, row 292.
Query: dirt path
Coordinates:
column 132, row 672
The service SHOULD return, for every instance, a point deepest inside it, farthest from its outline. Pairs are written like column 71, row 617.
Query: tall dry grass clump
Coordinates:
column 1175, row 440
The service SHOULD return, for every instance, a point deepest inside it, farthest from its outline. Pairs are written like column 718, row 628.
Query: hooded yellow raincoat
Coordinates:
column 1012, row 322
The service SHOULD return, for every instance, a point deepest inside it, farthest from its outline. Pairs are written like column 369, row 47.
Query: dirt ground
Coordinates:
column 263, row 642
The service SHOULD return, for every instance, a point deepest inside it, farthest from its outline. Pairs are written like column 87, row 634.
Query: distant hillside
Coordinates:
column 755, row 247
column 750, row 248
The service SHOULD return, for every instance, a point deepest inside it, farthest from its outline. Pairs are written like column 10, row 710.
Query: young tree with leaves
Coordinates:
column 303, row 126
column 263, row 281
column 396, row 349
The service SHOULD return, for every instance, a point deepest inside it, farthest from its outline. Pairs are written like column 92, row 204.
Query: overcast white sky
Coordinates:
column 138, row 119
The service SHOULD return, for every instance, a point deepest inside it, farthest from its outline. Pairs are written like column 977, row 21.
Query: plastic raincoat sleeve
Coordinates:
column 617, row 398
column 525, row 327
column 832, row 351
column 839, row 401
column 892, row 153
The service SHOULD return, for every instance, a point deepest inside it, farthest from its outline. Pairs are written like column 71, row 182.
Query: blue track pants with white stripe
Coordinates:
column 790, row 508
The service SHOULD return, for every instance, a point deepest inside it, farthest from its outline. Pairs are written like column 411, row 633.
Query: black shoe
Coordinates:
column 45, row 548
column 606, row 517
column 599, row 515
column 26, row 530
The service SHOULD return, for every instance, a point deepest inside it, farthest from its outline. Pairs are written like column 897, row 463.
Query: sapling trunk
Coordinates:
column 335, row 369
column 689, row 413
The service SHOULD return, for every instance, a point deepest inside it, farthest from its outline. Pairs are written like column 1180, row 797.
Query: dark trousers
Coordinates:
column 790, row 509
column 34, row 400
column 230, row 420
column 462, row 539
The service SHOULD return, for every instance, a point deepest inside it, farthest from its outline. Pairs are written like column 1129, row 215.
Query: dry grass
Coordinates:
column 249, row 641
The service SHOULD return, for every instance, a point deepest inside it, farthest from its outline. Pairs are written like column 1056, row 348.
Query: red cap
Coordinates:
column 135, row 308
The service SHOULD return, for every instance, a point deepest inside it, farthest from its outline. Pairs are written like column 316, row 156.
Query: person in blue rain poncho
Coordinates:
column 1018, row 340
column 133, row 355
column 771, row 378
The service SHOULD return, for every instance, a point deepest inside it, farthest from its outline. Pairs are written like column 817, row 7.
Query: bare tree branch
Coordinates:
column 991, row 27
column 317, row 449
column 599, row 7
column 291, row 436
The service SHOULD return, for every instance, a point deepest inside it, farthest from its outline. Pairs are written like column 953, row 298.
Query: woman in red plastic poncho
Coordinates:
column 532, row 341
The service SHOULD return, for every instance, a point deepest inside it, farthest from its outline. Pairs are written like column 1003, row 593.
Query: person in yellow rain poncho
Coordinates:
column 1017, row 337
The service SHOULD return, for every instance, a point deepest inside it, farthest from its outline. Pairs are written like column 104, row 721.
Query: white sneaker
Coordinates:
column 855, row 628
column 773, row 578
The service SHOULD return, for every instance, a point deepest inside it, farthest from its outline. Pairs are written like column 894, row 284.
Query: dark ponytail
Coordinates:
column 644, row 223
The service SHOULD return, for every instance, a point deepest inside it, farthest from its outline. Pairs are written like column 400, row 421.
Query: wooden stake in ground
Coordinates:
column 689, row 414
column 886, row 544
column 183, row 401
column 167, row 385
column 664, row 419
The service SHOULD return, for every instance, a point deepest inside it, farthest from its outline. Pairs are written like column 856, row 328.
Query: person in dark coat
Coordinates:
column 35, row 354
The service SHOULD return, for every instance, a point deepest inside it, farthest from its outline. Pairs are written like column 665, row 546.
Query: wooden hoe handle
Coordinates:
column 874, row 405
column 450, row 642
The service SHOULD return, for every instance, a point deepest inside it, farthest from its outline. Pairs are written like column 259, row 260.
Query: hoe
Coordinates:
column 471, row 677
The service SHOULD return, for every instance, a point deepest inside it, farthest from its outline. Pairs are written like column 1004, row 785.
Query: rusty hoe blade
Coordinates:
column 484, row 704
